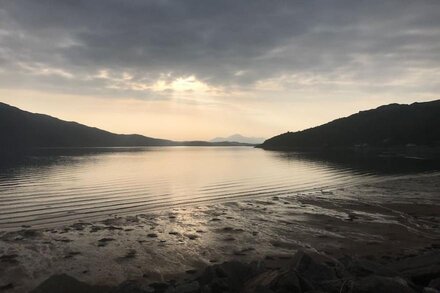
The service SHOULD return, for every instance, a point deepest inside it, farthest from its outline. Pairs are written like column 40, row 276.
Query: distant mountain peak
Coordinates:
column 239, row 138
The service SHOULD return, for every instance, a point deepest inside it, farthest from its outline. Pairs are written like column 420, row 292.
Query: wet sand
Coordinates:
column 384, row 220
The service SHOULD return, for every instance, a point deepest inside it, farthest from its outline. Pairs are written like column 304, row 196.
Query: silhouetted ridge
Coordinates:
column 24, row 129
column 21, row 129
column 386, row 126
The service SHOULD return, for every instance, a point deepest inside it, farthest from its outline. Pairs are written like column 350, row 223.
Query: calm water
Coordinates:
column 54, row 187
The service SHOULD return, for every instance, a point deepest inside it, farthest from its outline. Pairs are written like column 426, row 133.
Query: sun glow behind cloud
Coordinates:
column 165, row 83
column 190, row 83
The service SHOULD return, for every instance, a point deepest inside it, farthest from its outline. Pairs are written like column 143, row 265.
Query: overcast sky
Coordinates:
column 183, row 69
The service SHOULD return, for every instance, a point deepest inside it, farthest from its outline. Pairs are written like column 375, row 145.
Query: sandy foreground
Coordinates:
column 384, row 220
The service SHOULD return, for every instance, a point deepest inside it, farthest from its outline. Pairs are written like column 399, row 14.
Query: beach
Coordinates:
column 383, row 221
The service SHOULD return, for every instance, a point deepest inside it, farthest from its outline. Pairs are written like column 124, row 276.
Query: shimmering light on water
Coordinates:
column 89, row 184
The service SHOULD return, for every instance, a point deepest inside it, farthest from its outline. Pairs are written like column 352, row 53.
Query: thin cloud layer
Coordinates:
column 223, row 43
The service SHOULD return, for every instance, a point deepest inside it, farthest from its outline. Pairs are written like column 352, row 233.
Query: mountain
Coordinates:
column 387, row 126
column 22, row 129
column 19, row 128
column 239, row 138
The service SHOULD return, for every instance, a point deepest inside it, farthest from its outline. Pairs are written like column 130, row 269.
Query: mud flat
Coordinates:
column 391, row 227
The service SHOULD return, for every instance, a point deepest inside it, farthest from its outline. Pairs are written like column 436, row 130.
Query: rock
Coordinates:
column 159, row 287
column 8, row 286
column 219, row 286
column 262, row 282
column 229, row 276
column 67, row 284
column 435, row 283
column 274, row 281
column 130, row 287
column 205, row 289
column 316, row 267
column 420, row 269
column 208, row 275
column 430, row 290
column 363, row 268
column 192, row 287
column 379, row 284
column 422, row 276
column 192, row 236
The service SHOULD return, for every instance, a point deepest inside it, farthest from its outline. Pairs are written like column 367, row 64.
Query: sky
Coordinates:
column 192, row 69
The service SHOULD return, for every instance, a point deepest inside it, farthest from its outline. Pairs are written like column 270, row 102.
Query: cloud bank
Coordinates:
column 222, row 52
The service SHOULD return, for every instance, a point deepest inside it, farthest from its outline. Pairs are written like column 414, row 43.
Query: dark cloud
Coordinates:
column 231, row 44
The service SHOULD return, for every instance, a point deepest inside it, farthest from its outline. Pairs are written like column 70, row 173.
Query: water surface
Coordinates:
column 57, row 186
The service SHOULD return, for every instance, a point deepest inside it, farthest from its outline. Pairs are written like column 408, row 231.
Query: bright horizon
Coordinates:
column 195, row 70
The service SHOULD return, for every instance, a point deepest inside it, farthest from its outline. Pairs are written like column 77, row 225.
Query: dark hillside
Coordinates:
column 20, row 129
column 24, row 129
column 386, row 126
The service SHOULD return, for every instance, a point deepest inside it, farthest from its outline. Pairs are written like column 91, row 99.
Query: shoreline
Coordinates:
column 391, row 219
column 307, row 191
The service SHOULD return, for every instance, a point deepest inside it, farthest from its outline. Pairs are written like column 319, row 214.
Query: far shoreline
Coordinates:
column 425, row 152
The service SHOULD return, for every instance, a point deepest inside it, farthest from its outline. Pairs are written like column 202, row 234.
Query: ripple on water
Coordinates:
column 97, row 185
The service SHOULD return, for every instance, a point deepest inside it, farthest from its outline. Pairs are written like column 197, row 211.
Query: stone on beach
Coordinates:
column 67, row 284
column 378, row 284
column 420, row 269
column 307, row 271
